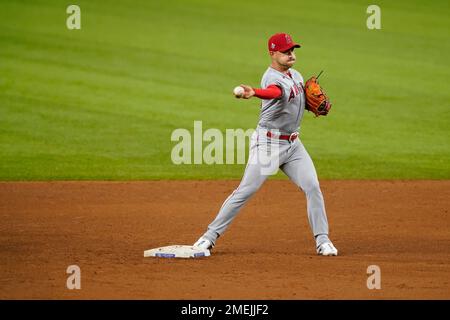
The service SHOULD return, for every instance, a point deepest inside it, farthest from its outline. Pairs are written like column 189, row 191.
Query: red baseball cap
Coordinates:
column 281, row 42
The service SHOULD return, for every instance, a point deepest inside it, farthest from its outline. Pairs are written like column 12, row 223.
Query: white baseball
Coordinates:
column 238, row 91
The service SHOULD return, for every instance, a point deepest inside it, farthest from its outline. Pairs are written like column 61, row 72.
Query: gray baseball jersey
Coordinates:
column 285, row 113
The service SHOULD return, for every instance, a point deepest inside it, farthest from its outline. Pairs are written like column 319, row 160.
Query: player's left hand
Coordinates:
column 316, row 99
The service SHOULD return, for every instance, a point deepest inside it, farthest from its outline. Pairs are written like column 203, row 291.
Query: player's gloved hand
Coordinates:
column 248, row 92
column 316, row 100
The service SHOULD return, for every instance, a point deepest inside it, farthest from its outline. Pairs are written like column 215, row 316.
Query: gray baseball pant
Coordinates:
column 265, row 157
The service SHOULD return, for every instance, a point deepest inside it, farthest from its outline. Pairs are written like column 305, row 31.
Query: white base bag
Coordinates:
column 177, row 251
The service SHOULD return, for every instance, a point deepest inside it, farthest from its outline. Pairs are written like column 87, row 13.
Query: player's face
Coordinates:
column 285, row 58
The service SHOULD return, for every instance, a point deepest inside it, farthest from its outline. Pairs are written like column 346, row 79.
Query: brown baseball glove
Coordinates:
column 316, row 100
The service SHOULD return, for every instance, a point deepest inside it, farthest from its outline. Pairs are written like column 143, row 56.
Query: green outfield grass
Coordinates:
column 102, row 102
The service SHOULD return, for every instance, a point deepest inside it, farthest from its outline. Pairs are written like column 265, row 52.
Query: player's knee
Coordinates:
column 248, row 191
column 311, row 186
column 252, row 190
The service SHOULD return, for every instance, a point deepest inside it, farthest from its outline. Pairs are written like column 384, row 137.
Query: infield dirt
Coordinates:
column 268, row 252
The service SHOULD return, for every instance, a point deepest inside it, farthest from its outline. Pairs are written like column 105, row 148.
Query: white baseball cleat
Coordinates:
column 327, row 249
column 204, row 243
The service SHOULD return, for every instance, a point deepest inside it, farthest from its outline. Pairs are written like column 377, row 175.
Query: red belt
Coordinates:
column 290, row 137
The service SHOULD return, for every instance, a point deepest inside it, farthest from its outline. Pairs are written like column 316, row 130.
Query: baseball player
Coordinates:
column 282, row 95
